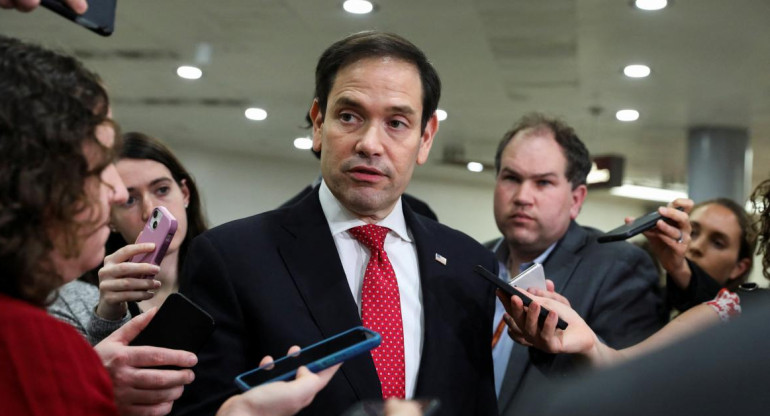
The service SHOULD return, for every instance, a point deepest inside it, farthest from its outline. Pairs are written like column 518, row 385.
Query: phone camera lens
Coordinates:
column 154, row 225
column 155, row 213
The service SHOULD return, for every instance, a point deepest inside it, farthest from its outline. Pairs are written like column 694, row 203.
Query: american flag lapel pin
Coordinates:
column 441, row 259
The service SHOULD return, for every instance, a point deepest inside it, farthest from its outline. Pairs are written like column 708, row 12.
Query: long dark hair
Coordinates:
column 748, row 241
column 141, row 146
column 50, row 107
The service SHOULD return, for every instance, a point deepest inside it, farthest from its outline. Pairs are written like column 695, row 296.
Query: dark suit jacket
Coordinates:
column 275, row 280
column 614, row 287
column 720, row 371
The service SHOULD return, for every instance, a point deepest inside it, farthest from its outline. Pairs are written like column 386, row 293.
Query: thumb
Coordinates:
column 130, row 330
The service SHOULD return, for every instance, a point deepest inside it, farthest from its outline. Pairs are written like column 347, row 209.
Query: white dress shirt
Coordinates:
column 402, row 253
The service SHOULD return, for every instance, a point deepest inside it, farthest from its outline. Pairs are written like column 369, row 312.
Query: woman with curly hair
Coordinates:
column 57, row 182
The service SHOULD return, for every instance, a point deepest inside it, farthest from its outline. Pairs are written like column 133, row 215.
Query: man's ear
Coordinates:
column 426, row 140
column 317, row 118
column 578, row 196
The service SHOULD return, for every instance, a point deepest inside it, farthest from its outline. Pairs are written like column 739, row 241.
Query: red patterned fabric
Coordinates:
column 726, row 304
column 381, row 311
column 46, row 367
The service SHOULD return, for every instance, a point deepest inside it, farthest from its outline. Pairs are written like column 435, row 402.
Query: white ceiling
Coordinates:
column 498, row 59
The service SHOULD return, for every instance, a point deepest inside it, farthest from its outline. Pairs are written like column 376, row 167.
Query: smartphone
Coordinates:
column 637, row 226
column 512, row 291
column 179, row 324
column 159, row 229
column 533, row 276
column 316, row 357
column 428, row 407
column 99, row 18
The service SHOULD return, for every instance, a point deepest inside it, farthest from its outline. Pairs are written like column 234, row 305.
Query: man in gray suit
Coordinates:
column 541, row 184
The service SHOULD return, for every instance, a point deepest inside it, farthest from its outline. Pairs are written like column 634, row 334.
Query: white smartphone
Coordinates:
column 533, row 276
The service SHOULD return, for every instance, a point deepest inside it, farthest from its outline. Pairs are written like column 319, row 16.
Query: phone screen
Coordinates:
column 324, row 354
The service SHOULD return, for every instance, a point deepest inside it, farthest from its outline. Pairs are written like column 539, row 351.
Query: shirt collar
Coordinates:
column 340, row 219
column 501, row 252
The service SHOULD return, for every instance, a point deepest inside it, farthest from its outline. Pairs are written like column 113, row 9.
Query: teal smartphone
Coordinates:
column 316, row 357
column 99, row 18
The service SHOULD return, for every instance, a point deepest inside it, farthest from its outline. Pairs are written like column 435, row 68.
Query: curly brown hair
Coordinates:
column 50, row 106
column 760, row 198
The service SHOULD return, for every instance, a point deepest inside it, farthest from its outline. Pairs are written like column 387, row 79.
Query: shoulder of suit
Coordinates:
column 620, row 249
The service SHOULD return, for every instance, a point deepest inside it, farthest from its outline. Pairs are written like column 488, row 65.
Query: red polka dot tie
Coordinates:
column 381, row 311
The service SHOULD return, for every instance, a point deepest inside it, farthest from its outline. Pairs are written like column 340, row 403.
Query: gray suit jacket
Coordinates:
column 613, row 286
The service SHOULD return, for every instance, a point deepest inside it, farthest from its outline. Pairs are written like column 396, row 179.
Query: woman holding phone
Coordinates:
column 57, row 182
column 579, row 339
column 154, row 177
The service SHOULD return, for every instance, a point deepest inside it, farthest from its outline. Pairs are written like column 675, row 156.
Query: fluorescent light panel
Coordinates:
column 647, row 193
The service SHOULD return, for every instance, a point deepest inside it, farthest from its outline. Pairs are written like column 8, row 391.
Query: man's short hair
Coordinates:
column 373, row 44
column 578, row 158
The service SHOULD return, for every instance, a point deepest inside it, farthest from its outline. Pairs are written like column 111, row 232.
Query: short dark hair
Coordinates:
column 748, row 237
column 141, row 146
column 576, row 153
column 373, row 44
column 50, row 107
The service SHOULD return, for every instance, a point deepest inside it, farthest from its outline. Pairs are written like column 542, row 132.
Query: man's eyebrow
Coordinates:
column 508, row 170
column 346, row 102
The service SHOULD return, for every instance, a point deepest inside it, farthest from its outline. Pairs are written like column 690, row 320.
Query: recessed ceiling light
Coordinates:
column 257, row 114
column 475, row 167
column 627, row 115
column 651, row 4
column 303, row 143
column 189, row 72
column 358, row 6
column 637, row 71
column 441, row 114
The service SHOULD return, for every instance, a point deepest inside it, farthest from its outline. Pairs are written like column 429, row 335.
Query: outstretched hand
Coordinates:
column 141, row 389
column 280, row 398
column 523, row 325
column 669, row 242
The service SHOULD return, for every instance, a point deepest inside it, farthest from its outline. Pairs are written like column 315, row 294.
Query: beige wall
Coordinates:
column 234, row 186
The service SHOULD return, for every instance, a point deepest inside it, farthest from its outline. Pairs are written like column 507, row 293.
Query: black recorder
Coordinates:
column 639, row 225
column 512, row 291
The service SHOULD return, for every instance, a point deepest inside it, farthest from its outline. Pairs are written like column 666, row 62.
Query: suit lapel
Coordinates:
column 311, row 258
column 430, row 272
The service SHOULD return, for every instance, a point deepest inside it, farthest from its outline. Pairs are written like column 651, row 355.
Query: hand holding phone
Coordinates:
column 635, row 227
column 316, row 357
column 512, row 291
column 159, row 229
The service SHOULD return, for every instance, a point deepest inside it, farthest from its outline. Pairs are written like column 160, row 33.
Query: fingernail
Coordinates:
column 192, row 360
column 156, row 283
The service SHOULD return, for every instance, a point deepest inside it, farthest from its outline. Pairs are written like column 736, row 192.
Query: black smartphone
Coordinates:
column 99, row 18
column 512, row 291
column 638, row 226
column 316, row 357
column 179, row 324
column 428, row 407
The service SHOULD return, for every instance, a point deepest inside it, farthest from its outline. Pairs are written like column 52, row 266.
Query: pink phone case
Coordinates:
column 160, row 229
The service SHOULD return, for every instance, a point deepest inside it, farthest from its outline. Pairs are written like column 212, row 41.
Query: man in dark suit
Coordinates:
column 300, row 274
column 541, row 184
